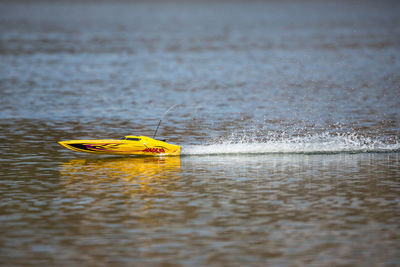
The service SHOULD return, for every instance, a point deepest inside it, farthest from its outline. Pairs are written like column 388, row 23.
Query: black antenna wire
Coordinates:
column 163, row 118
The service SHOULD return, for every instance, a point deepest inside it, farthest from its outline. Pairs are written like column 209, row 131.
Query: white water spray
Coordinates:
column 323, row 143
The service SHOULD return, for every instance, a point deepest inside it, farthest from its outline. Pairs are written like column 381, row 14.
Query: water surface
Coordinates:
column 288, row 117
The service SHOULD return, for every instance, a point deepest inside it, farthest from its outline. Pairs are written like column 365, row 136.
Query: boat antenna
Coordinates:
column 163, row 118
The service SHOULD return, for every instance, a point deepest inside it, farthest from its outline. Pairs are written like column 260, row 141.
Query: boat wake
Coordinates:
column 311, row 144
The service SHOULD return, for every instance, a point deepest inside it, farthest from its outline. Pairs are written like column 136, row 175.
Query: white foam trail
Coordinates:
column 319, row 143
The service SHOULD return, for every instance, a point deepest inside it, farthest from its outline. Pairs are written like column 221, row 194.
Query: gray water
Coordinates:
column 287, row 114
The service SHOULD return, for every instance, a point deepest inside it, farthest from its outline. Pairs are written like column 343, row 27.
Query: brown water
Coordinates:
column 288, row 117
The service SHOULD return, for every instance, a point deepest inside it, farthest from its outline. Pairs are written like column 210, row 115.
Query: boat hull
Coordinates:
column 137, row 145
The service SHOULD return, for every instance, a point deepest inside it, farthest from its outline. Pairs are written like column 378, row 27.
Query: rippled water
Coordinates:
column 287, row 113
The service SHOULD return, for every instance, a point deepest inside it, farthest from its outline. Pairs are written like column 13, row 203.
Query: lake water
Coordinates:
column 288, row 114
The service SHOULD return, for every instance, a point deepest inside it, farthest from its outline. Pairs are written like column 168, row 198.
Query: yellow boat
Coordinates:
column 128, row 145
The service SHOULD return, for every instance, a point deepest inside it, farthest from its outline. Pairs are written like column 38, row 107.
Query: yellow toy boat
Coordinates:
column 128, row 145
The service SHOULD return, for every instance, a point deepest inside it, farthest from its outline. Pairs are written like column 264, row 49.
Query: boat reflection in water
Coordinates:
column 120, row 177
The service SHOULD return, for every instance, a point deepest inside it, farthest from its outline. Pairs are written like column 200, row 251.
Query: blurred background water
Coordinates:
column 288, row 115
